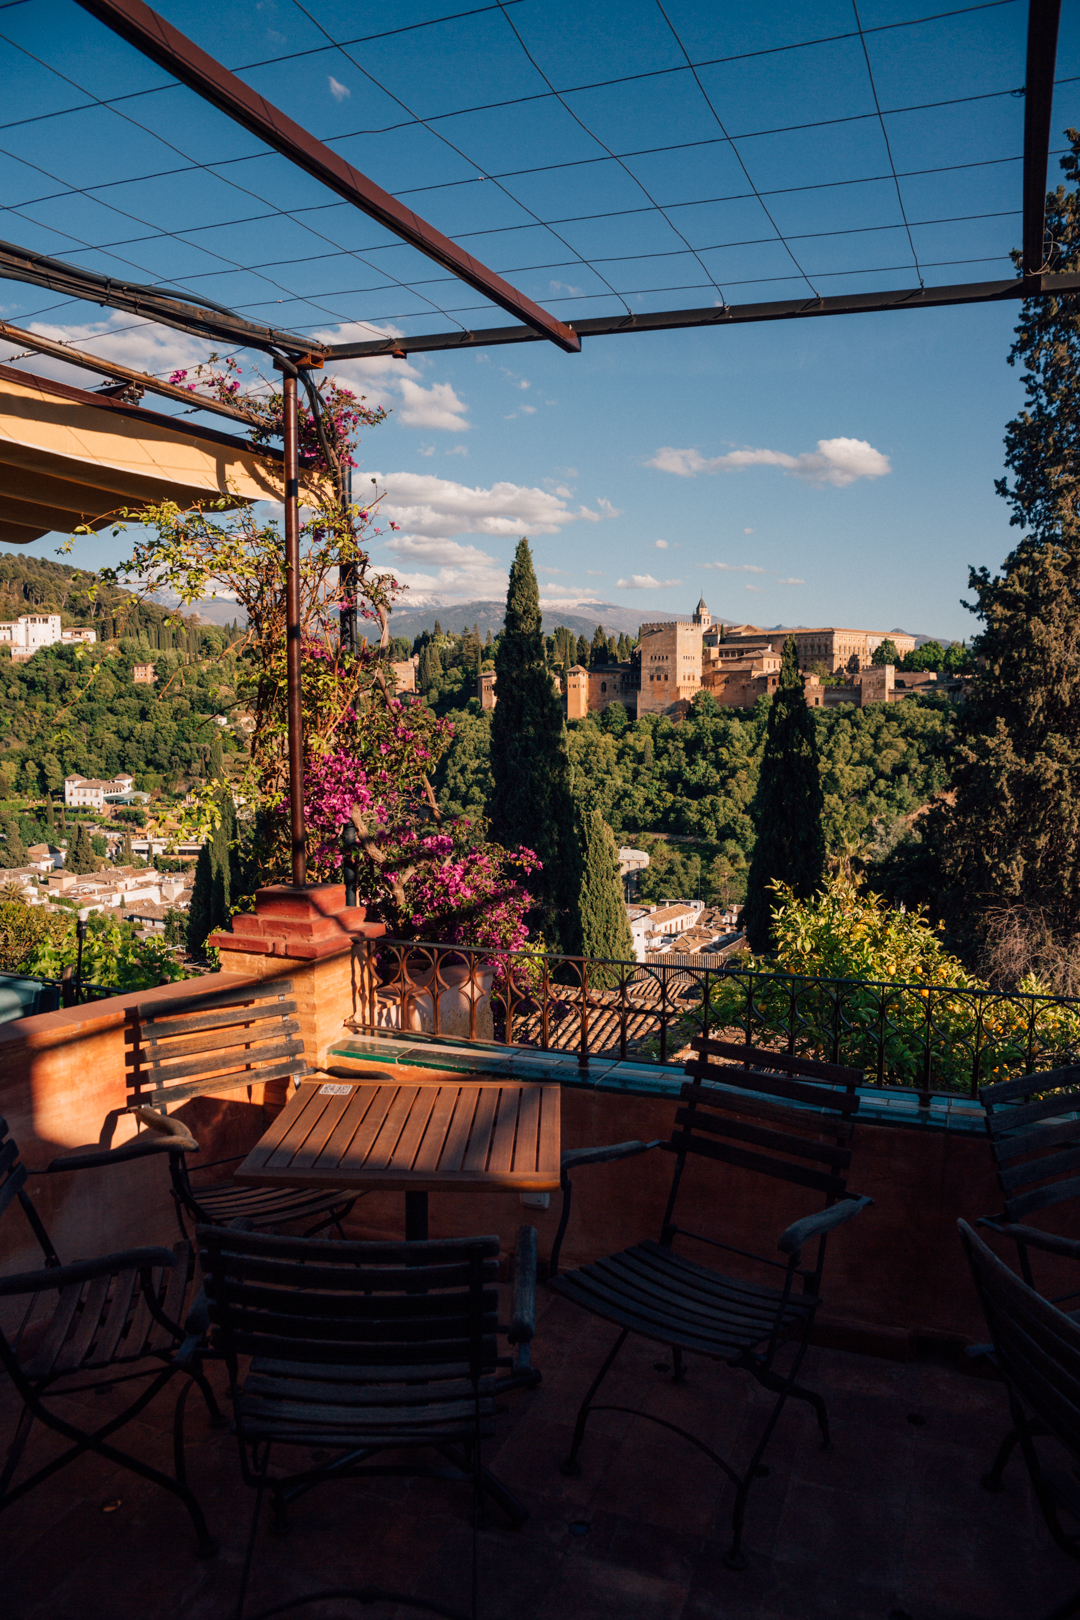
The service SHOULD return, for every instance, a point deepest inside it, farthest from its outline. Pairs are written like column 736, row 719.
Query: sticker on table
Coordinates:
column 334, row 1091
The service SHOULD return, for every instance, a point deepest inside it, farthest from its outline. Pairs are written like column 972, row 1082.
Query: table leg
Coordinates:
column 416, row 1217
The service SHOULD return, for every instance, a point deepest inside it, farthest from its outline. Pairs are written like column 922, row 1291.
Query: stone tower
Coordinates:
column 702, row 616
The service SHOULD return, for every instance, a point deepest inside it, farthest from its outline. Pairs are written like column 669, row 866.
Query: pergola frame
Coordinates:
column 179, row 56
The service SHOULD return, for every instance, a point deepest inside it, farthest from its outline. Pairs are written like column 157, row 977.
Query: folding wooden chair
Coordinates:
column 777, row 1116
column 225, row 1042
column 1033, row 1123
column 1037, row 1349
column 363, row 1349
column 93, row 1325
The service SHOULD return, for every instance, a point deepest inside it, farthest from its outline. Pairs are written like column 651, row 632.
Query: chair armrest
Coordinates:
column 572, row 1157
column 196, row 1327
column 523, row 1320
column 163, row 1135
column 1049, row 1242
column 106, row 1265
column 826, row 1220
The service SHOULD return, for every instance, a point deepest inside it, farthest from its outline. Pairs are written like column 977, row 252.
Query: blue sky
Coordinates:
column 831, row 471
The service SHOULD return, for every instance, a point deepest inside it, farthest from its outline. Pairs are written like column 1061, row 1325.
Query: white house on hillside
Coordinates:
column 87, row 793
column 30, row 631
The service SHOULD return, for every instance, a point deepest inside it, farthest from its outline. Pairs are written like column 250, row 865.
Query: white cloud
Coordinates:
column 791, row 582
column 661, row 545
column 645, row 582
column 836, row 461
column 527, row 410
column 426, row 505
column 595, row 573
column 395, row 384
column 446, row 567
column 565, row 287
column 736, row 568
column 434, row 407
column 339, row 91
column 458, row 450
column 748, row 531
column 142, row 346
column 426, row 450
column 757, row 588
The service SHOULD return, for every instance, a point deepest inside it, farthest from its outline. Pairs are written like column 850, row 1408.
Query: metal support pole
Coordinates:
column 292, row 632
column 348, row 574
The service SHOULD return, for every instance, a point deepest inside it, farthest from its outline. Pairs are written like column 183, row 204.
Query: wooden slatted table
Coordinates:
column 412, row 1138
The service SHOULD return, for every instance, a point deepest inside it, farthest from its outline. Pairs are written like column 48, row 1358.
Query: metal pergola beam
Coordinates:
column 110, row 368
column 200, row 319
column 1043, row 17
column 976, row 292
column 182, row 58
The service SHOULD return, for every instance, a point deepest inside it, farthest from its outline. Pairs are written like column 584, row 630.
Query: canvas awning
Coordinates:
column 69, row 457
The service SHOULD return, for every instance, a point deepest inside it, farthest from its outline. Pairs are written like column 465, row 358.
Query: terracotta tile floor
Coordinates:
column 890, row 1525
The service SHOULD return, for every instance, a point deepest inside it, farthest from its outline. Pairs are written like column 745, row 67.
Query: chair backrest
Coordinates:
column 786, row 1117
column 400, row 1310
column 1037, row 1346
column 184, row 1047
column 13, row 1175
column 1034, row 1127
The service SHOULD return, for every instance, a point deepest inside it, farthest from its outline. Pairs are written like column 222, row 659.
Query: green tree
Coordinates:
column 98, row 845
column 605, row 931
column 217, row 757
column 211, row 894
column 127, row 854
column 787, row 807
column 1013, row 834
column 931, row 655
column 531, row 800
column 80, row 857
column 50, row 817
column 581, row 652
column 886, row 652
column 15, row 850
column 598, row 651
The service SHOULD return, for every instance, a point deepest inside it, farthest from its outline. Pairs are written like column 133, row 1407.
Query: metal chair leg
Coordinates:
column 571, row 1466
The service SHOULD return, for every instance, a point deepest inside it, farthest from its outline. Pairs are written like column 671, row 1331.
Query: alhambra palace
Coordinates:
column 736, row 664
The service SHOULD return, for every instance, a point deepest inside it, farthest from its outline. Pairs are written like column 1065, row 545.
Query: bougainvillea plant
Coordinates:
column 368, row 755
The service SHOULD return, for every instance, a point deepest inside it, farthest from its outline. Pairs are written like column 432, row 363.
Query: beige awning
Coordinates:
column 68, row 457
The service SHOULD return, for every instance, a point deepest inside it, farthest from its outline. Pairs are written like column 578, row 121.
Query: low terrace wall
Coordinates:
column 896, row 1276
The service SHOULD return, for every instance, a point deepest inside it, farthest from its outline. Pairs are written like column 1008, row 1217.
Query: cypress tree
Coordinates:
column 598, row 648
column 211, row 894
column 1013, row 833
column 15, row 854
column 531, row 800
column 605, row 930
column 217, row 757
column 581, row 655
column 127, row 854
column 787, row 806
column 50, row 817
column 80, row 858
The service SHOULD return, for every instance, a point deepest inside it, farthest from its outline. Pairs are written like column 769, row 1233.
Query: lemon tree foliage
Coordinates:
column 846, row 961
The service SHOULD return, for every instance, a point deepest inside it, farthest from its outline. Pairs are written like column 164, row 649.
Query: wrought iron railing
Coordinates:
column 929, row 1038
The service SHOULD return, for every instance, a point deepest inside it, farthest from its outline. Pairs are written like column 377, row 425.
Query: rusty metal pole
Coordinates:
column 297, row 829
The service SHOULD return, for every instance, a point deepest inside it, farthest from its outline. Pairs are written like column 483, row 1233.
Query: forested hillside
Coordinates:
column 696, row 779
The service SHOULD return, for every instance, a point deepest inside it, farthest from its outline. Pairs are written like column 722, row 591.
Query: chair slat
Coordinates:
column 164, row 1073
column 779, row 1141
column 154, row 1031
column 1052, row 1164
column 383, row 1310
column 1023, row 1085
column 1015, row 1116
column 148, row 1011
column 160, row 1096
column 408, row 1353
column 799, row 1175
column 75, row 1350
column 1042, row 1198
column 1036, row 1139
column 116, row 1321
column 257, row 1039
column 387, row 1279
column 744, row 1056
column 772, row 1085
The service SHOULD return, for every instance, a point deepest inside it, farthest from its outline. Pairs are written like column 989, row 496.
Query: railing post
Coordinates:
column 583, row 1053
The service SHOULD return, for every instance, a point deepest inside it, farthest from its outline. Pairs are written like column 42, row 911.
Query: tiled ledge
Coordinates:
column 879, row 1105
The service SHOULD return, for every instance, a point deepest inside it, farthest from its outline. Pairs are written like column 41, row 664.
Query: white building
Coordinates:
column 88, row 793
column 30, row 631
